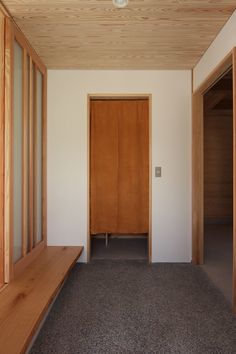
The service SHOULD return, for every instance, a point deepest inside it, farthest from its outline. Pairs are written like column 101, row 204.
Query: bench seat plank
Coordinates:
column 24, row 302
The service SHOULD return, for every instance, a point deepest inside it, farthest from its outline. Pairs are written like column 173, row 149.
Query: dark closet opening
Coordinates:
column 218, row 184
column 119, row 178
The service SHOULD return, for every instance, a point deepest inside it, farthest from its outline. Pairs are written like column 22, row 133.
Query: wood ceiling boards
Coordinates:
column 147, row 34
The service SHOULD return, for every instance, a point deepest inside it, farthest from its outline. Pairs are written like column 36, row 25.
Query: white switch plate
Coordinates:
column 157, row 171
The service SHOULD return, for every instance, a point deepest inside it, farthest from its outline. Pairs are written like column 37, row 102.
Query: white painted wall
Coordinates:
column 219, row 48
column 171, row 149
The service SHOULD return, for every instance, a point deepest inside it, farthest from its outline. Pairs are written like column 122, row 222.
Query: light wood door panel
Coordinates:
column 119, row 166
column 133, row 167
column 104, row 165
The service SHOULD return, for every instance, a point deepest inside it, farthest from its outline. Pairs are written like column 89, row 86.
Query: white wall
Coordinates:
column 171, row 149
column 219, row 48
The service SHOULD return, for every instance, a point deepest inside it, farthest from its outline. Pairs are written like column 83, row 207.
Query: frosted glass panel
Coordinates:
column 17, row 154
column 39, row 154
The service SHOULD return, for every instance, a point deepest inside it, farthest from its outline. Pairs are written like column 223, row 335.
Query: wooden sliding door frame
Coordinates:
column 2, row 111
column 148, row 97
column 12, row 33
column 8, row 211
column 198, row 162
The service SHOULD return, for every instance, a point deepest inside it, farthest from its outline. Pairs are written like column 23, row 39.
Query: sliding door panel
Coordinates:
column 119, row 166
column 104, row 165
column 25, row 121
column 133, row 172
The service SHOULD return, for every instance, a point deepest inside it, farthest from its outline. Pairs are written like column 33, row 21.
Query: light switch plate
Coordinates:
column 157, row 171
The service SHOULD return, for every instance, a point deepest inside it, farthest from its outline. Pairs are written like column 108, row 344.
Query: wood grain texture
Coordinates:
column 24, row 302
column 122, row 96
column 89, row 97
column 25, row 261
column 150, row 34
column 2, row 111
column 197, row 179
column 119, row 160
column 25, row 171
column 44, row 163
column 31, row 156
column 133, row 169
column 150, row 181
column 103, row 167
column 34, row 155
column 218, row 165
column 3, row 10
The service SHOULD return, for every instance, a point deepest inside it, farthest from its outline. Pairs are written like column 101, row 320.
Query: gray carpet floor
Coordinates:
column 218, row 256
column 131, row 307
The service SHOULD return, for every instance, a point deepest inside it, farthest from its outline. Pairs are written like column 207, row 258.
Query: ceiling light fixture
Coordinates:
column 120, row 3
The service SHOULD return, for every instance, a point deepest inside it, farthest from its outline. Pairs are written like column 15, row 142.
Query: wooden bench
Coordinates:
column 24, row 302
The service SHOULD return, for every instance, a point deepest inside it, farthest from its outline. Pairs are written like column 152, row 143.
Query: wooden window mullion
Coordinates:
column 44, row 160
column 24, row 155
column 2, row 50
column 31, row 157
column 35, row 157
column 8, row 168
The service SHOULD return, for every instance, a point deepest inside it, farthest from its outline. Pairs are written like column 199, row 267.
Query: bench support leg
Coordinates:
column 107, row 239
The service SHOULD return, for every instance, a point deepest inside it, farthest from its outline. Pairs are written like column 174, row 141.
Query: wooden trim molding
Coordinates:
column 34, row 155
column 150, row 180
column 197, row 179
column 198, row 163
column 234, row 178
column 18, row 35
column 24, row 155
column 31, row 157
column 2, row 111
column 8, row 152
column 88, row 181
column 44, row 173
column 216, row 74
column 110, row 96
column 3, row 10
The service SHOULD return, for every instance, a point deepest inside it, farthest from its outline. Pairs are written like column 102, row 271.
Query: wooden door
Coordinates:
column 119, row 166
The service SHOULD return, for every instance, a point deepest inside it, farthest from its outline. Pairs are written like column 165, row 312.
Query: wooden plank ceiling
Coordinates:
column 147, row 34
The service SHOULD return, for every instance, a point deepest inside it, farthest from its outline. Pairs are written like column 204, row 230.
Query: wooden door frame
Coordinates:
column 2, row 113
column 120, row 96
column 198, row 162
